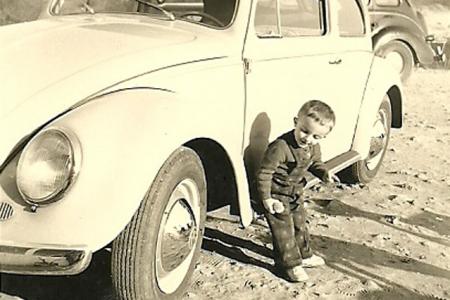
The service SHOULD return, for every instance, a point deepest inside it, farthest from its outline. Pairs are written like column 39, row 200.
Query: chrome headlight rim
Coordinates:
column 75, row 164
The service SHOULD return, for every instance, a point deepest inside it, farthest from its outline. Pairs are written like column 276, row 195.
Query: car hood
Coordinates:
column 49, row 65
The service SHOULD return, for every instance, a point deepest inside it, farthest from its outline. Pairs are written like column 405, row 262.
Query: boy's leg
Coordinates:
column 285, row 249
column 301, row 230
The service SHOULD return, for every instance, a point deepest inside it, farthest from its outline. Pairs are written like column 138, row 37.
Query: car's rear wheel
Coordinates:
column 398, row 55
column 365, row 170
column 154, row 256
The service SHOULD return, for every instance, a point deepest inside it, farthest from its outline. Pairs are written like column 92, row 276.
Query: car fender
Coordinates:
column 125, row 137
column 383, row 79
column 421, row 49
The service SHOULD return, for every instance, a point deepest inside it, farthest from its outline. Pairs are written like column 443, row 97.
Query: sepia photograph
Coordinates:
column 224, row 149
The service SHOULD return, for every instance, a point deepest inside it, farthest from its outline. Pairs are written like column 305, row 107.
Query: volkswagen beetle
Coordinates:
column 124, row 122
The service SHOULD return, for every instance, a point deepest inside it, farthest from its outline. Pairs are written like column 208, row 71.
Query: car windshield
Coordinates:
column 216, row 13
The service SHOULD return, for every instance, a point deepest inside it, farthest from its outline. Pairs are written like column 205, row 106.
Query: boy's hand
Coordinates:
column 331, row 178
column 273, row 205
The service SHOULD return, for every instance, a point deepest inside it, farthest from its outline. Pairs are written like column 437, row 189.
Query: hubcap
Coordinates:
column 378, row 140
column 178, row 236
column 395, row 59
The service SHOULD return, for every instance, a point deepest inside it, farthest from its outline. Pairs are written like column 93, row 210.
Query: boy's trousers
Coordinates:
column 290, row 236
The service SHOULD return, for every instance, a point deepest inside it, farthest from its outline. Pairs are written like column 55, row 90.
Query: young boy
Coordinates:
column 280, row 183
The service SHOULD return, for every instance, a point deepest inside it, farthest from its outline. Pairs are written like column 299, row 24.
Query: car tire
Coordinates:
column 399, row 55
column 365, row 170
column 154, row 256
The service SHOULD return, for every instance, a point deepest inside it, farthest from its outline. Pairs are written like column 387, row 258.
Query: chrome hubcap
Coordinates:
column 378, row 140
column 178, row 236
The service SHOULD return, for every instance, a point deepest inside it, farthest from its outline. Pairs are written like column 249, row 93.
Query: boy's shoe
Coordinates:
column 313, row 261
column 296, row 274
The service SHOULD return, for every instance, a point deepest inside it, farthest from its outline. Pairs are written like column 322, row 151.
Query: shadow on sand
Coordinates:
column 232, row 247
column 426, row 219
column 432, row 221
column 347, row 257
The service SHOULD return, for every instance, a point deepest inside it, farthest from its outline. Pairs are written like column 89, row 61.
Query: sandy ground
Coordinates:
column 387, row 240
column 438, row 19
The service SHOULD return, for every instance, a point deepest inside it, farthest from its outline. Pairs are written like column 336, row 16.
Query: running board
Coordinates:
column 335, row 165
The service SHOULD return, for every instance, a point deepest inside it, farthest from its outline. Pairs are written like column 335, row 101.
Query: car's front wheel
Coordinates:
column 398, row 55
column 365, row 170
column 154, row 256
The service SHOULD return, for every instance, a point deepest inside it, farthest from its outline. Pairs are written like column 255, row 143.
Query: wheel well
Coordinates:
column 219, row 172
column 378, row 42
column 411, row 48
column 396, row 104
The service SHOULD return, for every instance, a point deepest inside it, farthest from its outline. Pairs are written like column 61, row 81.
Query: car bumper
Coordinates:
column 438, row 48
column 43, row 260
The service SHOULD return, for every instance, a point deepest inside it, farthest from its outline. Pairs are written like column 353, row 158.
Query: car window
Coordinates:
column 350, row 18
column 387, row 2
column 301, row 18
column 266, row 18
column 217, row 13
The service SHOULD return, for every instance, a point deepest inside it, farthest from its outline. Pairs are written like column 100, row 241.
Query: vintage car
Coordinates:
column 123, row 122
column 399, row 33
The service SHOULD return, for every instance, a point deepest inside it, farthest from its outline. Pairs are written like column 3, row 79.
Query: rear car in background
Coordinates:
column 400, row 34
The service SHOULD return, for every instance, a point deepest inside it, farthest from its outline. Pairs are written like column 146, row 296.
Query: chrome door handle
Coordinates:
column 335, row 62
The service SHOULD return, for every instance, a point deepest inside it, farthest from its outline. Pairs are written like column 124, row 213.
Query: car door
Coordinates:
column 291, row 57
column 353, row 60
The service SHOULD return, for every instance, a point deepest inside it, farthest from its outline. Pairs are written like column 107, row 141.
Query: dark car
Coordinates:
column 399, row 32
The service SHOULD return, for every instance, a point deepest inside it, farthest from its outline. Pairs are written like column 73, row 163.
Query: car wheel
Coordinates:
column 398, row 55
column 365, row 170
column 154, row 256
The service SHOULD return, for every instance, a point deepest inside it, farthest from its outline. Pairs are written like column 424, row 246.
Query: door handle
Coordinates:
column 247, row 66
column 337, row 61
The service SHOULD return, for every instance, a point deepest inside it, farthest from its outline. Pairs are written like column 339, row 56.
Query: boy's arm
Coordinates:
column 273, row 157
column 317, row 167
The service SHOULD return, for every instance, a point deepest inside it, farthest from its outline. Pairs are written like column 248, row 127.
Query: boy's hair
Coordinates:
column 318, row 110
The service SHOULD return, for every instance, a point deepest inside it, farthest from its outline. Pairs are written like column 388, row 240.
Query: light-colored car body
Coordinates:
column 130, row 90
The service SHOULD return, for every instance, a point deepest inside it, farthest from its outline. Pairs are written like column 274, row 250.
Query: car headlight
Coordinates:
column 47, row 166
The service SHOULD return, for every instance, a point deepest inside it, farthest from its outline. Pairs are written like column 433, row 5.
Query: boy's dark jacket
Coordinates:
column 284, row 166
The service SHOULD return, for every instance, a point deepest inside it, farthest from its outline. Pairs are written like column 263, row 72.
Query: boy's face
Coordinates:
column 309, row 131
